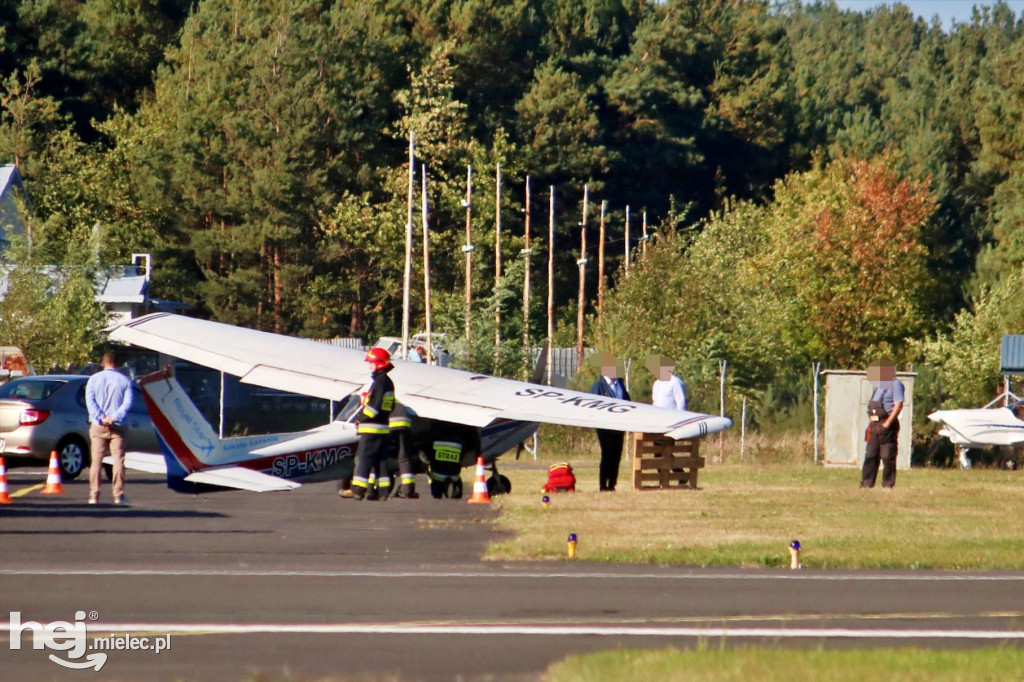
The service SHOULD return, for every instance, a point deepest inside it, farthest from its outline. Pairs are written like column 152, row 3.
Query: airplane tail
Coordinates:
column 187, row 440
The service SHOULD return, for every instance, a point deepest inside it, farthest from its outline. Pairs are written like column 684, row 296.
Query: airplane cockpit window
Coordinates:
column 347, row 411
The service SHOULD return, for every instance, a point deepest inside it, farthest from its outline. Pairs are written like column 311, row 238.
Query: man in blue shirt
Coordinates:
column 884, row 407
column 108, row 396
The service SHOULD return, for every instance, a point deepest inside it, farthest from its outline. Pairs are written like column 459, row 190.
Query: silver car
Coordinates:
column 41, row 414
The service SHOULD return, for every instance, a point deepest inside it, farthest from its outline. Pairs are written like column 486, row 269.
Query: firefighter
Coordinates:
column 400, row 424
column 445, row 461
column 372, row 427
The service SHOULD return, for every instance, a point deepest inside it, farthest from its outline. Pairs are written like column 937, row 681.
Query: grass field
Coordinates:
column 747, row 514
column 742, row 664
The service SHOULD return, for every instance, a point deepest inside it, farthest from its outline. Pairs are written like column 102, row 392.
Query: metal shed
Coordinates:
column 1011, row 355
column 846, row 420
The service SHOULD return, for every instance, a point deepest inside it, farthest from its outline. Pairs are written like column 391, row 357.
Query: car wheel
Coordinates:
column 72, row 456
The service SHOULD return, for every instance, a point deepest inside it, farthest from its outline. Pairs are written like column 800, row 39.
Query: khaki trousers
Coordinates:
column 106, row 440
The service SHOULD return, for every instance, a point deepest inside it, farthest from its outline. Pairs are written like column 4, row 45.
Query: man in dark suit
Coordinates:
column 609, row 385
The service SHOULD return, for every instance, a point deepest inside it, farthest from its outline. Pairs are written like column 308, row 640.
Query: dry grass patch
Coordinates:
column 747, row 515
column 786, row 665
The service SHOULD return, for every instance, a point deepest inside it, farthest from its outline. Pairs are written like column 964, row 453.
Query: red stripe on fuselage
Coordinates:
column 171, row 437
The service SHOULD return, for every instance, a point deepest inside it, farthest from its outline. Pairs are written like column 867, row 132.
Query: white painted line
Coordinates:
column 507, row 575
column 542, row 630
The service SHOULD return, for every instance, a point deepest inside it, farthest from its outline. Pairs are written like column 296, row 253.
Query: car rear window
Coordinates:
column 31, row 389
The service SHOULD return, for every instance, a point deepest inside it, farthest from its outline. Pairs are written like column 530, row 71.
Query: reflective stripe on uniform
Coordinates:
column 370, row 411
column 443, row 477
column 359, row 482
column 369, row 427
column 447, row 452
column 407, row 479
column 388, row 402
column 400, row 423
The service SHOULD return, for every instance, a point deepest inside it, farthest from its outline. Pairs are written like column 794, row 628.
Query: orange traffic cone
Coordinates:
column 480, row 494
column 4, row 497
column 53, row 486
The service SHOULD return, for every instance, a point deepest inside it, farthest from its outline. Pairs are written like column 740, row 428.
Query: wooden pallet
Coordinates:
column 660, row 463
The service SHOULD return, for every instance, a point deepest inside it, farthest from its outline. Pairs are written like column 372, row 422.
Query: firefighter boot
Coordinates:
column 437, row 489
column 456, row 491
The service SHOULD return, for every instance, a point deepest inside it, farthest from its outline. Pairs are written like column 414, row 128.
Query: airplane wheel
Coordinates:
column 499, row 485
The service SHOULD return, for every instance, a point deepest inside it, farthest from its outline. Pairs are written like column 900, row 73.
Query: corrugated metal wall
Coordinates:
column 1012, row 354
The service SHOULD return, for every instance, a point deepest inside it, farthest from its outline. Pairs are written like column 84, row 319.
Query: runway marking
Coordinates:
column 26, row 491
column 506, row 575
column 541, row 630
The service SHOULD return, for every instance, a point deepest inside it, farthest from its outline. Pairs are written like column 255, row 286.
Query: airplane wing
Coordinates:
column 980, row 427
column 242, row 478
column 142, row 461
column 325, row 371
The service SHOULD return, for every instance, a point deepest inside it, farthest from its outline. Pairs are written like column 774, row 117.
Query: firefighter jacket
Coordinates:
column 377, row 404
column 400, row 418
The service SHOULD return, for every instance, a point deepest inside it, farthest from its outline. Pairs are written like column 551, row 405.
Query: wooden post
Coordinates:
column 582, row 262
column 627, row 241
column 497, row 262
column 468, row 250
column 426, row 268
column 743, row 430
column 551, row 279
column 526, row 283
column 600, row 268
column 643, row 239
column 723, row 366
column 815, row 370
column 404, row 351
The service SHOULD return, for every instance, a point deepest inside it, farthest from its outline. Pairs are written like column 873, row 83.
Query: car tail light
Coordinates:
column 33, row 417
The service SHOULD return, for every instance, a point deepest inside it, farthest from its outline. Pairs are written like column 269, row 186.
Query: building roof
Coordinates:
column 1011, row 356
column 122, row 286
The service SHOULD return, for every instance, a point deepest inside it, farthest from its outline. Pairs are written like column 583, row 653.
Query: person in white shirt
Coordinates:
column 668, row 390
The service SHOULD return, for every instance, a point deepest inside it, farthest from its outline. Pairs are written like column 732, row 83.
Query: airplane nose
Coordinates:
column 937, row 416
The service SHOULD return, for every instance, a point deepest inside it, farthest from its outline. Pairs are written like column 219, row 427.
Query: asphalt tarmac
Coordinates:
column 303, row 585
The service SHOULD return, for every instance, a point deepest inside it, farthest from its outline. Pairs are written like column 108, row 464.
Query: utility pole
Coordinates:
column 627, row 241
column 468, row 250
column 526, row 281
column 551, row 279
column 582, row 263
column 497, row 262
column 426, row 267
column 408, row 247
column 600, row 268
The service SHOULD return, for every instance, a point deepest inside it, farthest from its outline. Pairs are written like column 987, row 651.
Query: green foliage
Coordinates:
column 49, row 311
column 851, row 179
column 829, row 271
column 967, row 358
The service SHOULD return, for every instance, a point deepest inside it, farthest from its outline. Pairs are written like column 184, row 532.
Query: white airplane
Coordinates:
column 490, row 415
column 979, row 428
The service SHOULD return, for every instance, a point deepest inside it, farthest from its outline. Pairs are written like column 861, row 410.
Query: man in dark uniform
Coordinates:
column 610, row 386
column 372, row 427
column 884, row 407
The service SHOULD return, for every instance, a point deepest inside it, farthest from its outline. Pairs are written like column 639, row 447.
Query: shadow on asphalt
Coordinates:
column 183, row 531
column 97, row 511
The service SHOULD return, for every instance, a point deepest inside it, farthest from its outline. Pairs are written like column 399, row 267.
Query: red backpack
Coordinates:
column 560, row 479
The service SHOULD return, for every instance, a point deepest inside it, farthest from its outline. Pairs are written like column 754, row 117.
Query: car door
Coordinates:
column 140, row 436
